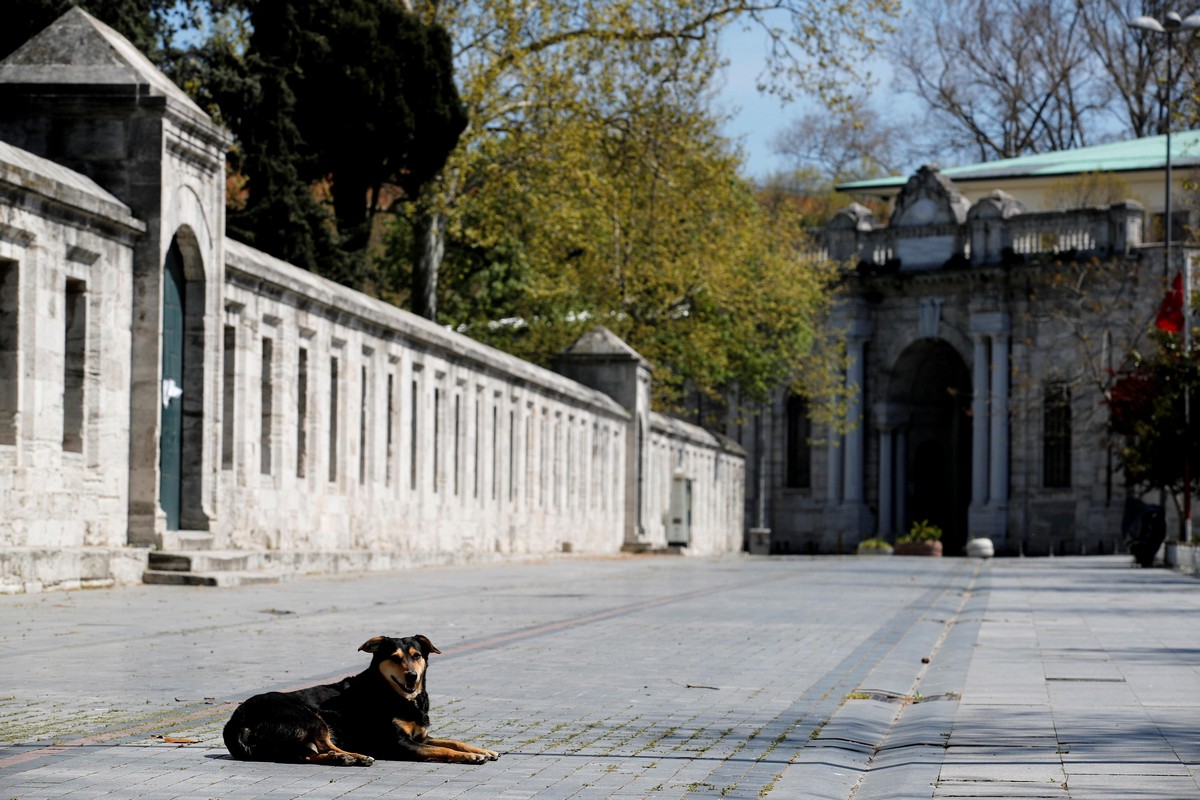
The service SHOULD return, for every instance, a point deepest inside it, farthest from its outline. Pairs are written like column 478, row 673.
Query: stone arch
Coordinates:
column 930, row 397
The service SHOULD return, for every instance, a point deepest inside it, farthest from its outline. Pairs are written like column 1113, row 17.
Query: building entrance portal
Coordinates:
column 931, row 399
column 181, row 398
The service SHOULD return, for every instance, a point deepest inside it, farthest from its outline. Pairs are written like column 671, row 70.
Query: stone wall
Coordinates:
column 164, row 387
column 66, row 255
column 423, row 441
column 695, row 499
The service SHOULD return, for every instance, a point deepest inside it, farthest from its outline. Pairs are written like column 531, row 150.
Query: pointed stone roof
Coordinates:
column 79, row 50
column 601, row 342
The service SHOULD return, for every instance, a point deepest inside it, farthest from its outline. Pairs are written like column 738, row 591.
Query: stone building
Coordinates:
column 169, row 394
column 980, row 337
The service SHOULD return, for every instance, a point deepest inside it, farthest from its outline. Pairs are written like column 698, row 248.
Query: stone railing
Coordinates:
column 993, row 232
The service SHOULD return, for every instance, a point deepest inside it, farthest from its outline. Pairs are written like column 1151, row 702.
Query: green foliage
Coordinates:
column 339, row 109
column 646, row 228
column 922, row 531
column 874, row 543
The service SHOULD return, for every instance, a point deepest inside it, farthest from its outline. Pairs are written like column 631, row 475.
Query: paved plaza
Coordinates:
column 638, row 677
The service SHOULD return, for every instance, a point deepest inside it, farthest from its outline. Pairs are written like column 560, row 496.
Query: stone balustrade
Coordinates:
column 996, row 230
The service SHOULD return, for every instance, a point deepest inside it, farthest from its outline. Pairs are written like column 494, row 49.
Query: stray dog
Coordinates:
column 382, row 712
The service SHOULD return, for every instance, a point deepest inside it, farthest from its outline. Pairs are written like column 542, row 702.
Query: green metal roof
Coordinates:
column 1138, row 154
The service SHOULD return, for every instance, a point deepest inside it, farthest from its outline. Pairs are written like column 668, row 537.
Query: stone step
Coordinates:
column 208, row 560
column 187, row 540
column 219, row 567
column 645, row 549
column 220, row 578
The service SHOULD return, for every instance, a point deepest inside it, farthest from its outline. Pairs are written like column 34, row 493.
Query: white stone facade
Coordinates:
column 161, row 385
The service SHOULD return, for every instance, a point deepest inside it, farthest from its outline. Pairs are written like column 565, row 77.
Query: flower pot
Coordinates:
column 918, row 549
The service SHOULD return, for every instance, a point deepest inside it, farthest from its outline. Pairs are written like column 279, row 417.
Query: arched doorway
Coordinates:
column 932, row 385
column 181, row 441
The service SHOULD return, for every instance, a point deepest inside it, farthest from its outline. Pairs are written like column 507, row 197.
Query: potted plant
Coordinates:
column 874, row 547
column 922, row 539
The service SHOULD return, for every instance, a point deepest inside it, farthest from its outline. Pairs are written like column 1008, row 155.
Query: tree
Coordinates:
column 1012, row 77
column 627, row 210
column 339, row 109
column 825, row 149
column 522, row 64
column 1135, row 64
column 845, row 146
column 1146, row 409
column 1003, row 78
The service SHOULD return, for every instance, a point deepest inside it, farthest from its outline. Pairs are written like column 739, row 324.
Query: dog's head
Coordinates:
column 401, row 661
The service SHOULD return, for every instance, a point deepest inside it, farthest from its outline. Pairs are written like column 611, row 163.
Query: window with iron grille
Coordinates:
column 799, row 452
column 1056, row 436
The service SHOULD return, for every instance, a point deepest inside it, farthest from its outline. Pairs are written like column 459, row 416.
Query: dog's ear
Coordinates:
column 426, row 645
column 371, row 645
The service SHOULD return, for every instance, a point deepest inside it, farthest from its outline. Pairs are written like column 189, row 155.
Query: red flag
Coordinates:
column 1170, row 312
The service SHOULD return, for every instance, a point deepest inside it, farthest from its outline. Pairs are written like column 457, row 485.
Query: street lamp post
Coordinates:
column 1170, row 25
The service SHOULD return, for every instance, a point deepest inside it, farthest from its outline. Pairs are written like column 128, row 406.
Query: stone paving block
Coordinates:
column 906, row 772
column 999, row 790
column 588, row 695
column 928, row 723
column 1013, row 764
column 1131, row 787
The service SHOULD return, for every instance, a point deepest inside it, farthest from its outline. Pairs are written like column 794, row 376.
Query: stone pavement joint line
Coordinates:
column 775, row 678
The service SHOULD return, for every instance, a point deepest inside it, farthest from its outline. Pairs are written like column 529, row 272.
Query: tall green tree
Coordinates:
column 338, row 109
column 623, row 206
column 519, row 64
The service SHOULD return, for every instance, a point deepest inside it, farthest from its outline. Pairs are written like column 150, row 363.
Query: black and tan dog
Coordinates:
column 382, row 712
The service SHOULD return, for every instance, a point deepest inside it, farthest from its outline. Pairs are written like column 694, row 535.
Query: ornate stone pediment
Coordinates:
column 929, row 198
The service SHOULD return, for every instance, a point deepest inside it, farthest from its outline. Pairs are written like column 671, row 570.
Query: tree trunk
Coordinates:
column 429, row 245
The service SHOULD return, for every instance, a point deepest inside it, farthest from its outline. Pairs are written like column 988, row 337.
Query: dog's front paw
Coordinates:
column 355, row 760
column 492, row 755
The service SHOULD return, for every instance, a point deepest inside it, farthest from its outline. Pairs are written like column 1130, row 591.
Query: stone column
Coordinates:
column 901, row 482
column 854, row 422
column 889, row 420
column 847, row 518
column 989, row 448
column 998, row 489
column 979, row 424
column 886, row 481
column 836, row 447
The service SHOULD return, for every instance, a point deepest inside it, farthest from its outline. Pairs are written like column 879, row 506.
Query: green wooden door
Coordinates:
column 170, row 449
